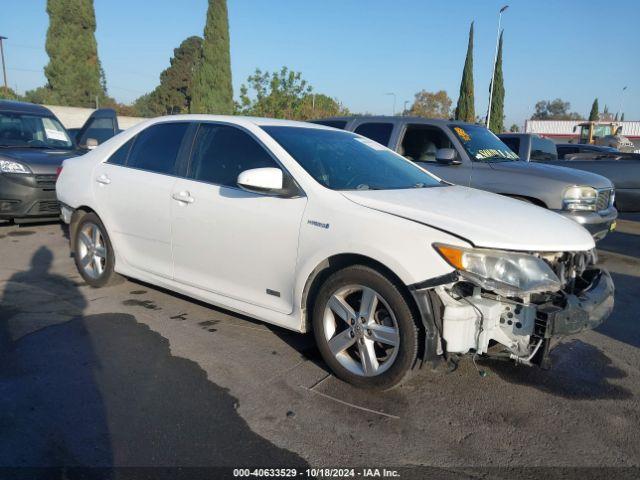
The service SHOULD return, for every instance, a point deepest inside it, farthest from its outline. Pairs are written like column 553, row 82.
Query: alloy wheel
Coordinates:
column 91, row 250
column 361, row 330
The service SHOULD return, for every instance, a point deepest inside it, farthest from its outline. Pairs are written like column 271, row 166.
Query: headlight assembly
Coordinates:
column 580, row 198
column 7, row 166
column 506, row 273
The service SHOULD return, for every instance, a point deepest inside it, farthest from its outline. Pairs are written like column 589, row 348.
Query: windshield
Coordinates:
column 482, row 145
column 345, row 161
column 32, row 131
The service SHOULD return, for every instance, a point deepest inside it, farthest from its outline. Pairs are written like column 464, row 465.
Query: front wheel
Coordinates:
column 93, row 252
column 365, row 329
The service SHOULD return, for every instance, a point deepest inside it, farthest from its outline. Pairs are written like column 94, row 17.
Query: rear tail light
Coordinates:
column 58, row 171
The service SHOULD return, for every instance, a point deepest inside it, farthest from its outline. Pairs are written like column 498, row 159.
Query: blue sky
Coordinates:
column 357, row 50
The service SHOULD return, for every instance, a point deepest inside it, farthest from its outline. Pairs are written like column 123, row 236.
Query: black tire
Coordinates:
column 106, row 275
column 406, row 350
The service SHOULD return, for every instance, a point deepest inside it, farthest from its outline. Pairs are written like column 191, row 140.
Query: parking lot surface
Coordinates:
column 132, row 375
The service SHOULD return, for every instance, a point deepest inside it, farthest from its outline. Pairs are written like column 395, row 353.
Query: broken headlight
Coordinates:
column 506, row 273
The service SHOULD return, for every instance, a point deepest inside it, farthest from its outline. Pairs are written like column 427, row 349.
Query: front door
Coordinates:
column 133, row 192
column 229, row 241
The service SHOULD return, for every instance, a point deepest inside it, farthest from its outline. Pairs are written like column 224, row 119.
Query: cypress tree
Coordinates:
column 622, row 117
column 74, row 73
column 496, row 124
column 465, row 109
column 593, row 116
column 212, row 91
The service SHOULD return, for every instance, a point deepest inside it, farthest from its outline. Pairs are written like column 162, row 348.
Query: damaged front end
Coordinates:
column 483, row 308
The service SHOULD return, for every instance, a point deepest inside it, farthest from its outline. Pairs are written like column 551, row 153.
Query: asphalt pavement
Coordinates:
column 132, row 375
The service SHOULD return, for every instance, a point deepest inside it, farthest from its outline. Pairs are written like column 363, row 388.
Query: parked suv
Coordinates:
column 312, row 228
column 33, row 144
column 470, row 155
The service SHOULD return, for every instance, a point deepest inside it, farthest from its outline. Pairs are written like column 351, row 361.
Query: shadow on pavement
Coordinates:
column 623, row 324
column 579, row 371
column 99, row 390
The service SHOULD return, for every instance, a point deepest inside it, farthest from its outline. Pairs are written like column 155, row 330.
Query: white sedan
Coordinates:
column 312, row 228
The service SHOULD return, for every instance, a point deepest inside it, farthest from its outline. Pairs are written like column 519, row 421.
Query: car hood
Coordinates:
column 482, row 218
column 562, row 174
column 40, row 161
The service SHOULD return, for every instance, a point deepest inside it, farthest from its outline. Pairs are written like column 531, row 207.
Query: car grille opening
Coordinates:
column 46, row 181
column 603, row 200
column 48, row 207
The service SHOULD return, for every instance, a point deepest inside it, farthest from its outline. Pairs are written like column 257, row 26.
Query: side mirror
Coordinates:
column 264, row 180
column 447, row 156
column 91, row 143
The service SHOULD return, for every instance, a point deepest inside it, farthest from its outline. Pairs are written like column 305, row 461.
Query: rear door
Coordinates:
column 229, row 241
column 133, row 191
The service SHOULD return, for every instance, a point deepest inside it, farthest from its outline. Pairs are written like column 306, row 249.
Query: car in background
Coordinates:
column 470, row 155
column 315, row 229
column 33, row 145
column 623, row 169
column 565, row 149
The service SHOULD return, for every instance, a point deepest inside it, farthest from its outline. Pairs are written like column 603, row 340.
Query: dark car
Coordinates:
column 33, row 144
column 565, row 149
column 623, row 169
column 470, row 155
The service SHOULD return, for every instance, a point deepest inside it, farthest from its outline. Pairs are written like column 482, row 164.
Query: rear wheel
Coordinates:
column 93, row 252
column 365, row 329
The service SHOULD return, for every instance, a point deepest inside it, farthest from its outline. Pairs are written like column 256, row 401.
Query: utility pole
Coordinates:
column 394, row 102
column 4, row 67
column 495, row 60
column 405, row 106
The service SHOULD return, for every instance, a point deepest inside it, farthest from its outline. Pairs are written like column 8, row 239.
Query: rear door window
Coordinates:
column 119, row 157
column 543, row 149
column 378, row 132
column 156, row 148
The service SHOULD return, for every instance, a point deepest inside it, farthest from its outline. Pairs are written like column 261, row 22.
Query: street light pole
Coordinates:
column 495, row 60
column 621, row 98
column 394, row 102
column 405, row 106
column 4, row 67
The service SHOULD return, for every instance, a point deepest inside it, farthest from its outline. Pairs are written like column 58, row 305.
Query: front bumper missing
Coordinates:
column 476, row 320
column 583, row 311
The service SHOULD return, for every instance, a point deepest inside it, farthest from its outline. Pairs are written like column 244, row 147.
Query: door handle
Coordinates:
column 103, row 179
column 184, row 197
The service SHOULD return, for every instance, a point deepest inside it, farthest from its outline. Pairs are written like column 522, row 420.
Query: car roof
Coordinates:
column 24, row 107
column 395, row 119
column 238, row 120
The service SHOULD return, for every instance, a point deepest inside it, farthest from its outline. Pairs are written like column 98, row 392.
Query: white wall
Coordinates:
column 74, row 117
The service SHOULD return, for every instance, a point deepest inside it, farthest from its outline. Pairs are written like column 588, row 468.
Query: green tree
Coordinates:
column 212, row 91
column 496, row 122
column 284, row 94
column 8, row 94
column 514, row 128
column 74, row 74
column 594, row 114
column 622, row 117
column 430, row 105
column 554, row 110
column 465, row 109
column 174, row 94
